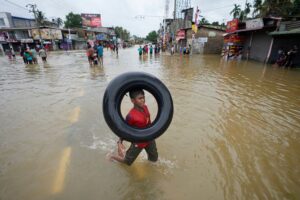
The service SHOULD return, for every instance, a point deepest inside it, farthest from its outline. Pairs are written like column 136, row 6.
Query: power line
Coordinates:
column 16, row 5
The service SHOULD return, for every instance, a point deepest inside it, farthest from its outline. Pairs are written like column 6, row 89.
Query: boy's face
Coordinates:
column 139, row 100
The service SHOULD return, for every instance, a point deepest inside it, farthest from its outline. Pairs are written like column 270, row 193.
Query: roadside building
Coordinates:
column 208, row 39
column 285, row 38
column 250, row 39
column 16, row 31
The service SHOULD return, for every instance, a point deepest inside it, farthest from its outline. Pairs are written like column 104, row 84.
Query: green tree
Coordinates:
column 152, row 36
column 236, row 11
column 73, row 20
column 242, row 15
column 204, row 21
column 59, row 22
column 247, row 9
column 277, row 8
column 215, row 23
column 40, row 18
column 122, row 33
column 257, row 6
column 295, row 11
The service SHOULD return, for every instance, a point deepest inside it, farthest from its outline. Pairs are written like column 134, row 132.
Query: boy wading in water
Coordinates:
column 138, row 117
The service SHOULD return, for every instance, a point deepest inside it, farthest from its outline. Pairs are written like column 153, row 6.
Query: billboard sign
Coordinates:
column 91, row 20
column 232, row 26
column 101, row 36
column 47, row 34
column 254, row 23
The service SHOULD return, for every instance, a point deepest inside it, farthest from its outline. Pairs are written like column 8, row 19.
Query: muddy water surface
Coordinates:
column 235, row 132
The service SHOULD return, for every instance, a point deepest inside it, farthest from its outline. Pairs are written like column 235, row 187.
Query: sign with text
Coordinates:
column 91, row 20
column 47, row 34
column 232, row 25
column 254, row 23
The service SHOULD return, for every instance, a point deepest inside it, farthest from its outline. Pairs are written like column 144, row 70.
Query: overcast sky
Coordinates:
column 122, row 12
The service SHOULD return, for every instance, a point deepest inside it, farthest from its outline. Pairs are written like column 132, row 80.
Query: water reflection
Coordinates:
column 32, row 69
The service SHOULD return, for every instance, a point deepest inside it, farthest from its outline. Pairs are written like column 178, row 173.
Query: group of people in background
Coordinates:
column 29, row 55
column 148, row 49
column 186, row 50
column 286, row 58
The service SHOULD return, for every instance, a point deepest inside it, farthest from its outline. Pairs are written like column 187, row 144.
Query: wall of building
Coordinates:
column 259, row 47
column 21, row 34
column 214, row 42
column 20, row 22
column 6, row 18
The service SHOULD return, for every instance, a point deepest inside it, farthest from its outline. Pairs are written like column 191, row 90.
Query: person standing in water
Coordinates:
column 151, row 49
column 43, row 54
column 100, row 53
column 140, row 51
column 90, row 54
column 138, row 117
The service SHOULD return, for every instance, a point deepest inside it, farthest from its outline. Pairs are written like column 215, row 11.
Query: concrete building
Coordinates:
column 286, row 37
column 207, row 40
column 260, row 39
column 253, row 40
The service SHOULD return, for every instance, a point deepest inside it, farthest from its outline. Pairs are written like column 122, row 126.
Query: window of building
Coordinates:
column 2, row 22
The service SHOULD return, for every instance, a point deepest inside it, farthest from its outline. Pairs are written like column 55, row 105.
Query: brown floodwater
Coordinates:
column 235, row 133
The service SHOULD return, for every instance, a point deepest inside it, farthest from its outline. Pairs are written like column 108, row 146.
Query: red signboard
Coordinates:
column 233, row 39
column 232, row 25
column 91, row 20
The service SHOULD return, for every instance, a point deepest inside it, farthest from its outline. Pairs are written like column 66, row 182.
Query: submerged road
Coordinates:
column 235, row 132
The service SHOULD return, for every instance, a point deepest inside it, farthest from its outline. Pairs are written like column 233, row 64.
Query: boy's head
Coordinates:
column 137, row 97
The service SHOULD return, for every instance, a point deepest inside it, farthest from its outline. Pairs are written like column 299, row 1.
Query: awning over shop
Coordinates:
column 243, row 30
column 294, row 31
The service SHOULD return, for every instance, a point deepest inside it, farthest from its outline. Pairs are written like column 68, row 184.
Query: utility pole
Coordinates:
column 33, row 10
column 175, row 9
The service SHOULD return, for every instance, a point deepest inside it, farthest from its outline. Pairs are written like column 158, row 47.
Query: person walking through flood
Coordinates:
column 140, row 51
column 8, row 53
column 291, row 54
column 100, row 53
column 151, row 49
column 22, row 51
column 117, row 49
column 90, row 54
column 43, row 54
column 28, row 56
column 13, row 53
column 138, row 117
column 34, row 56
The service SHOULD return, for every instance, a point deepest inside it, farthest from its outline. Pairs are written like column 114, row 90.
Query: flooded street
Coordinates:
column 235, row 133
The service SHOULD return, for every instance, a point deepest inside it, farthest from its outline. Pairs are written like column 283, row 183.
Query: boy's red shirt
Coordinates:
column 139, row 119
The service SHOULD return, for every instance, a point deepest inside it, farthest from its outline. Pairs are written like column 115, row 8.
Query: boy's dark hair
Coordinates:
column 135, row 92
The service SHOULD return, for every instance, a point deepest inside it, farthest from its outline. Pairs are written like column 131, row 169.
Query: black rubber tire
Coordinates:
column 112, row 100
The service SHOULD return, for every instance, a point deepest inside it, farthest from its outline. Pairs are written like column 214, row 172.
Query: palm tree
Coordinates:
column 59, row 22
column 242, row 15
column 296, row 8
column 236, row 11
column 40, row 17
column 257, row 5
column 204, row 21
column 276, row 8
column 247, row 9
